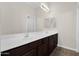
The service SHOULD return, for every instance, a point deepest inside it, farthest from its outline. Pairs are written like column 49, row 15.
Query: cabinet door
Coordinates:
column 55, row 37
column 52, row 43
column 30, row 53
column 43, row 50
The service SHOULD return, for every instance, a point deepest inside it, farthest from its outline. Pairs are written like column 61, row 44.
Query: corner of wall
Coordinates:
column 68, row 48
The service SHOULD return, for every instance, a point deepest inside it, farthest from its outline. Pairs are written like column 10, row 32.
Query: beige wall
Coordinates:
column 65, row 20
column 77, row 28
column 13, row 17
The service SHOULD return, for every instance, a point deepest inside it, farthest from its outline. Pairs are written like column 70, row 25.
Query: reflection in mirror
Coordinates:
column 50, row 22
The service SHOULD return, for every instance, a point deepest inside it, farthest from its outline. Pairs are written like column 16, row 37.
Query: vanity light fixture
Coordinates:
column 44, row 7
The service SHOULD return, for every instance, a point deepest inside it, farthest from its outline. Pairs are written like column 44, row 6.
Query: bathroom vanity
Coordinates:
column 41, row 47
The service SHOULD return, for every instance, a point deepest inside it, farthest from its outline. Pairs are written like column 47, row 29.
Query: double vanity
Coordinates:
column 35, row 44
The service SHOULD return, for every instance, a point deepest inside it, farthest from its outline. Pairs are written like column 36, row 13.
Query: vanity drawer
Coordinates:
column 32, row 52
column 45, row 40
column 35, row 44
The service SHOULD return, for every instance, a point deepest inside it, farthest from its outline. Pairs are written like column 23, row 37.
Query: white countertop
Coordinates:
column 15, row 40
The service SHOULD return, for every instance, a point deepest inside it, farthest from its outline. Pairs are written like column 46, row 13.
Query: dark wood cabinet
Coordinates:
column 52, row 42
column 43, row 50
column 51, row 45
column 41, row 47
column 31, row 53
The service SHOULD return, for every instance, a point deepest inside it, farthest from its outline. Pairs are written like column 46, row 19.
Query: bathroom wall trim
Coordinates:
column 68, row 48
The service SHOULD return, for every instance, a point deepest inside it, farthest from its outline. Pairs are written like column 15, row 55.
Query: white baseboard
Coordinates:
column 68, row 48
